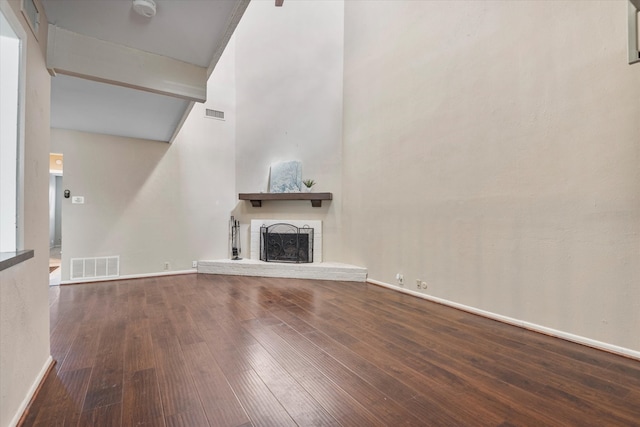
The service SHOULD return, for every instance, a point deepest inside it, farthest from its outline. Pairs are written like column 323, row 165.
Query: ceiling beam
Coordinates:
column 93, row 59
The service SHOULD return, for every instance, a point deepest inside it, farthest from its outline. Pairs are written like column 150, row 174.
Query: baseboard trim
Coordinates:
column 622, row 351
column 131, row 276
column 20, row 415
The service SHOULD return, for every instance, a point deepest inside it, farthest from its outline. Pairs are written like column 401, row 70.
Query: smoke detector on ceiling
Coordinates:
column 146, row 8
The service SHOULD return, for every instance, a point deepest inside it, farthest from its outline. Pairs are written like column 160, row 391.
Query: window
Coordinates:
column 634, row 31
column 11, row 131
column 32, row 14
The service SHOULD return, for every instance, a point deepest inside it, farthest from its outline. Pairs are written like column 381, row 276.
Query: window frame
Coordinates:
column 20, row 254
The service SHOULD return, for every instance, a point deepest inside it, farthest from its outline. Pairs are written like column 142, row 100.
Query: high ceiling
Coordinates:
column 126, row 93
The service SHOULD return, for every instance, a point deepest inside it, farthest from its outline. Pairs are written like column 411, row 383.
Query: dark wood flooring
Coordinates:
column 202, row 350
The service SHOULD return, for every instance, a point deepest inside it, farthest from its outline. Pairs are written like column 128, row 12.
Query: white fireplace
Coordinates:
column 315, row 224
column 313, row 270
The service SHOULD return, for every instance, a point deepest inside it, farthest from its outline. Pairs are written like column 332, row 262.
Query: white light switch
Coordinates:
column 77, row 200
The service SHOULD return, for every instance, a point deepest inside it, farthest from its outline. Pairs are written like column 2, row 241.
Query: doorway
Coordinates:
column 56, row 166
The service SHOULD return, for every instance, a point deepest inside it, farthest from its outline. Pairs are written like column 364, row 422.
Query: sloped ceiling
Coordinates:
column 194, row 32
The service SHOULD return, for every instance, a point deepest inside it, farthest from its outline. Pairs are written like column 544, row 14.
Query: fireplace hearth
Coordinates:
column 286, row 243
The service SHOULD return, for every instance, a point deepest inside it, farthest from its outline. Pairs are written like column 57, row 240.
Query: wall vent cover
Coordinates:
column 95, row 268
column 214, row 114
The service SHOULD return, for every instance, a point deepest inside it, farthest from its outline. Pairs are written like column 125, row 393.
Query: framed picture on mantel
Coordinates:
column 286, row 177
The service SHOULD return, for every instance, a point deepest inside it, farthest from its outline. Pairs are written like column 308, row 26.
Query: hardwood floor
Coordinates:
column 202, row 350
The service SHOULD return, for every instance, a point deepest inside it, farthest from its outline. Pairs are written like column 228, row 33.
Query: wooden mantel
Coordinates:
column 257, row 198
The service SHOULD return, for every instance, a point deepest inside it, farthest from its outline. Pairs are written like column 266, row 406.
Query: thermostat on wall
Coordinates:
column 77, row 200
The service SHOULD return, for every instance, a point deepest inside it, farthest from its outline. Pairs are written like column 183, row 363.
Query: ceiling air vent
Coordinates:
column 214, row 114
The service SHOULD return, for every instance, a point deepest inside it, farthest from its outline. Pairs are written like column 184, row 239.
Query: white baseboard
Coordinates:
column 520, row 323
column 130, row 276
column 23, row 406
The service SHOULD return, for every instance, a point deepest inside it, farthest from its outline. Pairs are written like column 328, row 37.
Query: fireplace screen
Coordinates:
column 286, row 243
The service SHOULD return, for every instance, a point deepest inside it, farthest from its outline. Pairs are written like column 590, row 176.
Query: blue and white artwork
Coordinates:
column 286, row 177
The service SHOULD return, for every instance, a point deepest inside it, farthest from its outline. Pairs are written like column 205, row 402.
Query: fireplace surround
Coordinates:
column 252, row 266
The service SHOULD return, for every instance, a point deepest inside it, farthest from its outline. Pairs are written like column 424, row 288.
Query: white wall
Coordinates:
column 24, row 302
column 289, row 64
column 151, row 202
column 492, row 150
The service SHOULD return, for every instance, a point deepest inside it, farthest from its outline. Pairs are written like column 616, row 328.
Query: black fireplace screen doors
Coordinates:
column 286, row 243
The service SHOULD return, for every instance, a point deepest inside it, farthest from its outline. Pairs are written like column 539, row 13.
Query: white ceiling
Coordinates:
column 188, row 30
column 89, row 106
column 193, row 31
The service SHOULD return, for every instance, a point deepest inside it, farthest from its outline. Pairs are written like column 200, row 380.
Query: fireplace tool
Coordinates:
column 235, row 239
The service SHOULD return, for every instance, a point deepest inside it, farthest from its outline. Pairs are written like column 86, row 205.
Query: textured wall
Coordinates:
column 492, row 150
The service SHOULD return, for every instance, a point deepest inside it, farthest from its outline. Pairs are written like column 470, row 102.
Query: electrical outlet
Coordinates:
column 166, row 266
column 418, row 283
column 194, row 264
column 400, row 278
